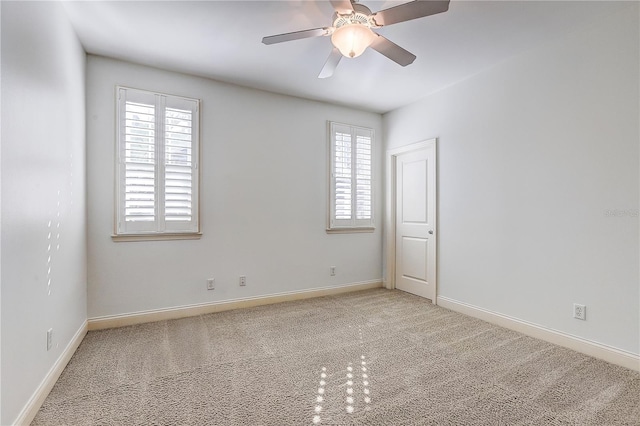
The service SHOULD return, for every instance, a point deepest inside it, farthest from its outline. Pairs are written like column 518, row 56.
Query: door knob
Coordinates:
column 431, row 231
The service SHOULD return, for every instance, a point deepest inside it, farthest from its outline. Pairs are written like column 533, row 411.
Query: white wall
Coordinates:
column 263, row 199
column 43, row 192
column 532, row 153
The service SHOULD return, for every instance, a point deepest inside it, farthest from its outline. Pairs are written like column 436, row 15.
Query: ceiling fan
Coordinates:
column 351, row 32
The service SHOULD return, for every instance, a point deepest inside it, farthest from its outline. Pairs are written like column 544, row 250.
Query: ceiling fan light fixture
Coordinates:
column 352, row 39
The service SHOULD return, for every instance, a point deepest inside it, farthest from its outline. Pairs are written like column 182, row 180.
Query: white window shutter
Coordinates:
column 157, row 163
column 343, row 158
column 362, row 177
column 351, row 184
column 178, row 165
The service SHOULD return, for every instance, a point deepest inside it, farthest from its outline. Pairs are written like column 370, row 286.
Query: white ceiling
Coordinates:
column 222, row 40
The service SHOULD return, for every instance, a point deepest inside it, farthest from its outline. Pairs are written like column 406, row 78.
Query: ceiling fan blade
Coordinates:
column 411, row 10
column 331, row 64
column 297, row 35
column 343, row 7
column 392, row 51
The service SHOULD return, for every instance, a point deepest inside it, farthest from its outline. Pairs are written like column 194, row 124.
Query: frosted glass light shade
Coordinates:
column 352, row 39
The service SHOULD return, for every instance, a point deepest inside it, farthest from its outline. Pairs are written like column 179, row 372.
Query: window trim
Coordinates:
column 354, row 227
column 155, row 234
column 167, row 236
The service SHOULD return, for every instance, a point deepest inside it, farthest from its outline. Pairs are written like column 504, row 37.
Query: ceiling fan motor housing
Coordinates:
column 361, row 15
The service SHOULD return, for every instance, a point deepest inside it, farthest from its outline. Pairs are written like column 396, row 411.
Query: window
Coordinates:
column 157, row 164
column 351, row 184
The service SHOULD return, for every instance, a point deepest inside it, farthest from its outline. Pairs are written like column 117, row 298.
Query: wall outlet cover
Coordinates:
column 579, row 311
column 49, row 338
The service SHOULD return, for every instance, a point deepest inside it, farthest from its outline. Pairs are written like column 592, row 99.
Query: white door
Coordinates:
column 416, row 222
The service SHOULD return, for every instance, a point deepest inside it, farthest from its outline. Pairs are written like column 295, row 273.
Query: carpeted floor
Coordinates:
column 376, row 357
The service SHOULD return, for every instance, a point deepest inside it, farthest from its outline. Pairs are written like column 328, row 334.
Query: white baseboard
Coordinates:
column 114, row 321
column 30, row 410
column 587, row 347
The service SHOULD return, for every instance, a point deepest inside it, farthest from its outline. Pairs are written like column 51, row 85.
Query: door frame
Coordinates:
column 390, row 209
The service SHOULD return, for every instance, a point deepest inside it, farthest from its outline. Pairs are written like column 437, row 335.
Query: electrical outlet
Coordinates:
column 211, row 284
column 579, row 311
column 49, row 338
column 332, row 271
column 243, row 280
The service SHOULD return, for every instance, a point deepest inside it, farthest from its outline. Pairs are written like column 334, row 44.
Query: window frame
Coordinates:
column 156, row 229
column 352, row 225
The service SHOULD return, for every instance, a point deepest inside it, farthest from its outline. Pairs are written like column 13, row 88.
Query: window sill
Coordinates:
column 157, row 237
column 356, row 230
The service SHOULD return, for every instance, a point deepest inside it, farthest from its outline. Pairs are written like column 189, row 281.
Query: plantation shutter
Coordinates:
column 351, row 191
column 157, row 163
column 362, row 175
column 343, row 174
column 180, row 166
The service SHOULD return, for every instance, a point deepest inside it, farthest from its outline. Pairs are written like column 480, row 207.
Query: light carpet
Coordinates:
column 375, row 357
